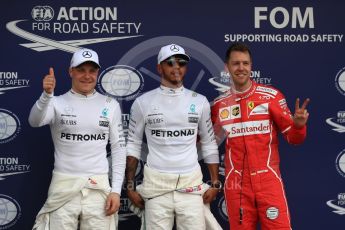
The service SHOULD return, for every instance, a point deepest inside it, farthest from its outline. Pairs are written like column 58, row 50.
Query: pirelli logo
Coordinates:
column 248, row 128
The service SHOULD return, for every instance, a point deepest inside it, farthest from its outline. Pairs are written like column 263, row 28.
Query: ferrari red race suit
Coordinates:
column 253, row 186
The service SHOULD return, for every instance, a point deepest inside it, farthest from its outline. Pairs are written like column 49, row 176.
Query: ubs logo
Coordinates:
column 68, row 122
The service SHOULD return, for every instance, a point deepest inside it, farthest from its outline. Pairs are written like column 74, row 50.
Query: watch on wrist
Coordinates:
column 131, row 185
column 217, row 184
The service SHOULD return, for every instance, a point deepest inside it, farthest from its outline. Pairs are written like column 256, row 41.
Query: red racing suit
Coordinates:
column 253, row 186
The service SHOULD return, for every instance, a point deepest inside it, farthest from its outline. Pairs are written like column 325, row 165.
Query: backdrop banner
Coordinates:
column 297, row 47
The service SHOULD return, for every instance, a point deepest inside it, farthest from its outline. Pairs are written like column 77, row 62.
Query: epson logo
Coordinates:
column 193, row 120
column 279, row 17
column 175, row 133
column 104, row 123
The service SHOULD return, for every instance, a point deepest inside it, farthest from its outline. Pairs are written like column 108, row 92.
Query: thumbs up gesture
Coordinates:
column 49, row 82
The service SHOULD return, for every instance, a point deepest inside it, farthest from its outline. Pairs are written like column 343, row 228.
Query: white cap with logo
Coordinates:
column 171, row 50
column 84, row 55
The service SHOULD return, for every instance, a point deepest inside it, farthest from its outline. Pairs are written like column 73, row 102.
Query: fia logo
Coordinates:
column 42, row 13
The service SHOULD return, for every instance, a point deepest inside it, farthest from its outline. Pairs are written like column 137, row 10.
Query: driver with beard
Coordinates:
column 172, row 117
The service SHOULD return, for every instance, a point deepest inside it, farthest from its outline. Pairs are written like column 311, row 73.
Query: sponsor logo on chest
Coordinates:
column 230, row 112
column 248, row 128
column 255, row 108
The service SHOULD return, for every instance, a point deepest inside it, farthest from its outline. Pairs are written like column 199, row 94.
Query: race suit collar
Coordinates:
column 75, row 94
column 171, row 91
column 246, row 93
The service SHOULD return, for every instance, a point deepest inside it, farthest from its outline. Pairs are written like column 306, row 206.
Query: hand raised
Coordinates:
column 49, row 82
column 301, row 114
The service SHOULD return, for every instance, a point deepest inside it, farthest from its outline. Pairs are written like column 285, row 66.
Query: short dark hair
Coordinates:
column 237, row 47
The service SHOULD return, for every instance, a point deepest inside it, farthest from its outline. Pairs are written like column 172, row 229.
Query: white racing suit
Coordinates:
column 81, row 127
column 172, row 121
column 68, row 196
column 169, row 194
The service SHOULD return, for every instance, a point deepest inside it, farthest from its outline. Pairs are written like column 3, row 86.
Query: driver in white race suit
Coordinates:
column 172, row 117
column 82, row 122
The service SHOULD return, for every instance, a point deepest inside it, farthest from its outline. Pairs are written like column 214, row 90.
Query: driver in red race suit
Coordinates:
column 251, row 115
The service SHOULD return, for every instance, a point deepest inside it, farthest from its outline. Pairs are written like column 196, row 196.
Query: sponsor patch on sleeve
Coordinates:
column 193, row 119
column 267, row 90
column 283, row 104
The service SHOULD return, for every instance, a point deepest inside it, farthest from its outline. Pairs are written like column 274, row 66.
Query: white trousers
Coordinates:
column 87, row 208
column 188, row 209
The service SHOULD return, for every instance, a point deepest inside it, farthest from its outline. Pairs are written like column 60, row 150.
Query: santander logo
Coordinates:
column 248, row 128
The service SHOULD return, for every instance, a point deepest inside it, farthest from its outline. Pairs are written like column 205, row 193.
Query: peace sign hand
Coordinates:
column 301, row 114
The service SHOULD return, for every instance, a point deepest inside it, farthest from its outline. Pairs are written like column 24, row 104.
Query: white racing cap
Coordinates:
column 84, row 55
column 171, row 50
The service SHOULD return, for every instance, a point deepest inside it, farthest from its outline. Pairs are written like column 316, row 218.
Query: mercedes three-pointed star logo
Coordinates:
column 87, row 54
column 174, row 48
